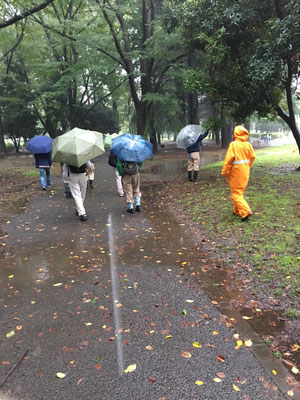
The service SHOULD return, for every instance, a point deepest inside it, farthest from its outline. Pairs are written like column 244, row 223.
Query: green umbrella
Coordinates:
column 77, row 146
column 108, row 139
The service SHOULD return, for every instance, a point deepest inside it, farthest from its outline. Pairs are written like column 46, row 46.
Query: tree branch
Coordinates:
column 25, row 14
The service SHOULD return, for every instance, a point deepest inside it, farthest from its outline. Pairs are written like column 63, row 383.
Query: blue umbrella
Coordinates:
column 39, row 144
column 133, row 148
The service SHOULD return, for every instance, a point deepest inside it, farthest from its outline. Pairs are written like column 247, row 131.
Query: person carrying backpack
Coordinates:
column 77, row 179
column 131, row 183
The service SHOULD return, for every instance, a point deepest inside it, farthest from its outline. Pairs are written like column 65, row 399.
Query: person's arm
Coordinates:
column 203, row 136
column 228, row 160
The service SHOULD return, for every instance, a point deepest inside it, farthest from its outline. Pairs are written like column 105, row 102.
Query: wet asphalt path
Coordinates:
column 90, row 299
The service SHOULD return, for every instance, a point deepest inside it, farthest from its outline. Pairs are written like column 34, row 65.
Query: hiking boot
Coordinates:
column 83, row 217
column 245, row 218
column 130, row 210
column 44, row 187
column 195, row 176
column 138, row 208
column 190, row 176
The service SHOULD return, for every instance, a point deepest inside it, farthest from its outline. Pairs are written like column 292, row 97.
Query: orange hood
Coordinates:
column 240, row 133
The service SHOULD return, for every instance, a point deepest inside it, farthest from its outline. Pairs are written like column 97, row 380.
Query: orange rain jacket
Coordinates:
column 239, row 159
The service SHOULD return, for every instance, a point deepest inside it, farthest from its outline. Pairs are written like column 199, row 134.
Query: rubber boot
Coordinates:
column 190, row 176
column 91, row 184
column 195, row 176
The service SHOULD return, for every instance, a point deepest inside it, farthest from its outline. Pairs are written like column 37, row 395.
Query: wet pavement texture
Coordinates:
column 95, row 300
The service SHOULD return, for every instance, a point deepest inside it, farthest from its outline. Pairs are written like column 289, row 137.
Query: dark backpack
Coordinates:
column 112, row 160
column 78, row 170
column 129, row 168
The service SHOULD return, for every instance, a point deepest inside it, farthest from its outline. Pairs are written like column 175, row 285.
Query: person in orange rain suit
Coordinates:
column 236, row 168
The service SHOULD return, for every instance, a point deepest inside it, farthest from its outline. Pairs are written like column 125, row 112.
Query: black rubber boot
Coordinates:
column 190, row 176
column 91, row 184
column 195, row 176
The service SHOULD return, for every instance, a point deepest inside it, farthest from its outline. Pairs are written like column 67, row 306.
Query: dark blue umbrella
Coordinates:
column 39, row 144
column 133, row 148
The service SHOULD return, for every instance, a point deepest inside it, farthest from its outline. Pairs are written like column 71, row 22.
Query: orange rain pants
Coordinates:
column 238, row 161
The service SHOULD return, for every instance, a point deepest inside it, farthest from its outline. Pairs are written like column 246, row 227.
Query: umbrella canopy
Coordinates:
column 133, row 148
column 188, row 136
column 108, row 138
column 39, row 144
column 77, row 146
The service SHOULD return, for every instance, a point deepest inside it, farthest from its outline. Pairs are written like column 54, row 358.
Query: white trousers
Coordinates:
column 78, row 184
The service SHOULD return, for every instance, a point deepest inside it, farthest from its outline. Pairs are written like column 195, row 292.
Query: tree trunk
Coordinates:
column 3, row 150
column 226, row 130
column 193, row 110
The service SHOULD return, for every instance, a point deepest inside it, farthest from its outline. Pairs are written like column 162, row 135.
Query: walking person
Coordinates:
column 43, row 161
column 129, row 171
column 194, row 158
column 236, row 168
column 77, row 179
column 112, row 161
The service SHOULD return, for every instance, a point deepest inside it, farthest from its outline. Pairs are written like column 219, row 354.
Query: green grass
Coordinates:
column 269, row 241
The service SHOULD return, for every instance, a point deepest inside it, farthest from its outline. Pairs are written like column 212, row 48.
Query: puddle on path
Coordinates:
column 268, row 324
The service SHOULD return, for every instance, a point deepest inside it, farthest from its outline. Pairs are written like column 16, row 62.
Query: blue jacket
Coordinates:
column 43, row 160
column 196, row 146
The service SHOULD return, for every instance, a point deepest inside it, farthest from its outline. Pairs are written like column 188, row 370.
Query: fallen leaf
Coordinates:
column 130, row 368
column 215, row 332
column 217, row 380
column 168, row 337
column 236, row 388
column 221, row 374
column 245, row 317
column 274, row 371
column 239, row 343
column 295, row 370
column 149, row 348
column 152, row 379
column 290, row 393
column 248, row 343
column 186, row 354
column 60, row 375
column 220, row 358
column 58, row 284
column 10, row 334
column 199, row 383
column 197, row 345
column 189, row 301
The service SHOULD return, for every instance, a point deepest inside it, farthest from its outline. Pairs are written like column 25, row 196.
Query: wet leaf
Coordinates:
column 11, row 276
column 58, row 284
column 274, row 371
column 236, row 388
column 295, row 347
column 60, row 375
column 199, row 383
column 215, row 332
column 220, row 358
column 184, row 312
column 197, row 345
column 239, row 343
column 10, row 334
column 290, row 393
column 295, row 370
column 149, row 348
column 246, row 317
column 248, row 343
column 186, row 354
column 217, row 380
column 221, row 374
column 189, row 301
column 130, row 368
column 152, row 379
column 168, row 337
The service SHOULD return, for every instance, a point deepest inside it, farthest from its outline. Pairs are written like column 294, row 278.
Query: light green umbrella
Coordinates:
column 77, row 146
column 108, row 139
